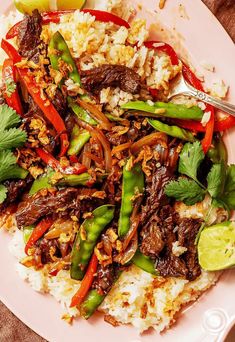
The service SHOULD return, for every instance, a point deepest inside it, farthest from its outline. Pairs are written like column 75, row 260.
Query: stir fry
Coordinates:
column 92, row 191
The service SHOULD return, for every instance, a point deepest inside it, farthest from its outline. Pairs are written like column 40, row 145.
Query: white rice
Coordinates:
column 136, row 293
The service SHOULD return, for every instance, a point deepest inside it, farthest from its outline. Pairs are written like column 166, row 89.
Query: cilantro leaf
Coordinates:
column 10, row 86
column 3, row 193
column 9, row 117
column 8, row 167
column 230, row 179
column 191, row 157
column 185, row 190
column 216, row 180
column 228, row 196
column 11, row 138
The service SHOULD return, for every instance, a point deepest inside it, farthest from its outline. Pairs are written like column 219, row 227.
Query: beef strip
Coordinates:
column 104, row 279
column 15, row 189
column 60, row 102
column 108, row 75
column 44, row 249
column 152, row 238
column 29, row 36
column 46, row 203
column 187, row 232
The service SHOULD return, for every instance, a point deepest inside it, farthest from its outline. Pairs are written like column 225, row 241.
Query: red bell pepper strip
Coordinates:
column 164, row 47
column 86, row 282
column 192, row 79
column 34, row 90
column 55, row 164
column 47, row 17
column 106, row 17
column 220, row 125
column 38, row 232
column 9, row 74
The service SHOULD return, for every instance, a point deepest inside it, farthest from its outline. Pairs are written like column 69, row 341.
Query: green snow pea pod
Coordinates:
column 79, row 138
column 169, row 110
column 218, row 152
column 173, row 131
column 74, row 180
column 132, row 184
column 42, row 182
column 90, row 229
column 59, row 50
column 144, row 262
column 81, row 113
column 91, row 303
column 27, row 231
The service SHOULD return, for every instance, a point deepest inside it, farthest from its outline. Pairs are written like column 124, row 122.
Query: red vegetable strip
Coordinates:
column 220, row 125
column 55, row 164
column 34, row 90
column 153, row 44
column 107, row 17
column 9, row 73
column 86, row 282
column 38, row 232
column 47, row 17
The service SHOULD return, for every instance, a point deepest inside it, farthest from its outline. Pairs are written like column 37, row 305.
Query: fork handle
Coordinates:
column 220, row 104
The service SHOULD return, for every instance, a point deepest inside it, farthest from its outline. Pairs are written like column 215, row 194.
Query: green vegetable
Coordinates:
column 10, row 136
column 27, row 231
column 218, row 152
column 132, row 185
column 58, row 50
column 216, row 180
column 227, row 198
column 216, row 247
column 115, row 118
column 144, row 262
column 81, row 113
column 74, row 180
column 10, row 86
column 8, row 167
column 91, row 303
column 87, row 237
column 185, row 190
column 42, row 182
column 191, row 157
column 3, row 193
column 27, row 6
column 176, row 111
column 79, row 138
column 173, row 131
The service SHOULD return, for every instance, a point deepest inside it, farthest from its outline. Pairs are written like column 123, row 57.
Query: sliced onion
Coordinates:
column 96, row 114
column 86, row 160
column 130, row 251
column 150, row 140
column 58, row 228
column 121, row 147
column 98, row 134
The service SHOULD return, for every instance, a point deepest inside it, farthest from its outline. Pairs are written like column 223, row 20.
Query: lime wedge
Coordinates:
column 216, row 247
column 27, row 6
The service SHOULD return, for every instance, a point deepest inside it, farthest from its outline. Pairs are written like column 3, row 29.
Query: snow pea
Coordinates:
column 169, row 110
column 132, row 184
column 79, row 138
column 218, row 152
column 27, row 231
column 42, row 182
column 173, row 131
column 81, row 113
column 59, row 50
column 87, row 237
column 144, row 262
column 74, row 180
column 91, row 303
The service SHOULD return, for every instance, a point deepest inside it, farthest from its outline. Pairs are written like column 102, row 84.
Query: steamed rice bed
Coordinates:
column 137, row 297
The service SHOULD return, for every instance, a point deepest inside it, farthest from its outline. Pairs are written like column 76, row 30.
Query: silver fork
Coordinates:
column 179, row 86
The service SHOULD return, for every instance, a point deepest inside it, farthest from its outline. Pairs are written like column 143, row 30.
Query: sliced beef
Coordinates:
column 155, row 192
column 187, row 232
column 104, row 279
column 116, row 139
column 152, row 238
column 109, row 75
column 60, row 102
column 169, row 265
column 29, row 36
column 44, row 251
column 46, row 203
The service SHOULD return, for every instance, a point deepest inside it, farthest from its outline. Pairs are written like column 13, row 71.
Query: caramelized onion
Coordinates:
column 86, row 160
column 150, row 140
column 96, row 114
column 98, row 134
column 121, row 147
column 58, row 228
column 130, row 251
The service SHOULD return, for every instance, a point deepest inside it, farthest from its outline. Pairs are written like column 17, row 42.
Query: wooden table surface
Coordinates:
column 12, row 329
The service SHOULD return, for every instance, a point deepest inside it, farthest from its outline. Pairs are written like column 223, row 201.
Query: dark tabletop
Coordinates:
column 12, row 329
